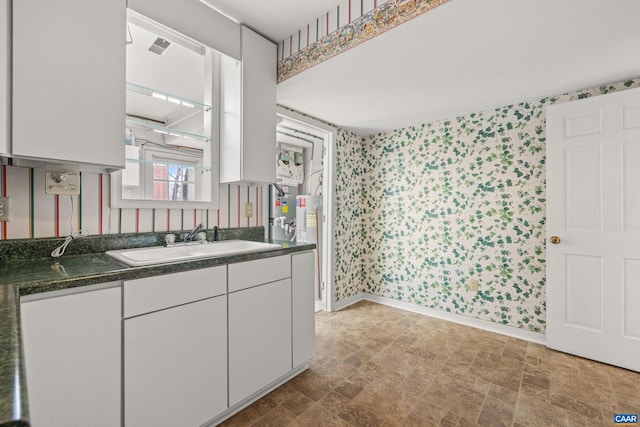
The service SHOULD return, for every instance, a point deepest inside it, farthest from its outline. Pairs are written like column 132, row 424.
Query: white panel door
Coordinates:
column 593, row 208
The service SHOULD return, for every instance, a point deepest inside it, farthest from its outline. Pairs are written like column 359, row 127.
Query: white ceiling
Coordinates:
column 464, row 56
column 274, row 19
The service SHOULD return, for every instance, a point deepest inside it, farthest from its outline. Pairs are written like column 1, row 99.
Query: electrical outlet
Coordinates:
column 248, row 209
column 62, row 183
column 5, row 209
column 473, row 285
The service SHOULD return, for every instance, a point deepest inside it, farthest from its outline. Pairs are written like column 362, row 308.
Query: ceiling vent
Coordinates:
column 159, row 46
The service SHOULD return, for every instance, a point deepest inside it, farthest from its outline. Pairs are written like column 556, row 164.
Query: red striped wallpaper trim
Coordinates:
column 56, row 203
column 4, row 194
column 238, row 206
column 257, row 206
column 327, row 31
column 100, row 204
column 93, row 212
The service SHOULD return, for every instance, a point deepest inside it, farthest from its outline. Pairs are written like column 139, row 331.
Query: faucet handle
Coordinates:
column 202, row 237
column 169, row 239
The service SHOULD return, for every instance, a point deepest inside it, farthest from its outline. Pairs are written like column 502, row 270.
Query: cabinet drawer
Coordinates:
column 158, row 292
column 252, row 273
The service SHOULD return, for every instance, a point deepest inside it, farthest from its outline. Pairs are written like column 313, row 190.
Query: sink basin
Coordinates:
column 161, row 254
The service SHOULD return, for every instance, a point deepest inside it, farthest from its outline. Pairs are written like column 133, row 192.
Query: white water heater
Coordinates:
column 309, row 219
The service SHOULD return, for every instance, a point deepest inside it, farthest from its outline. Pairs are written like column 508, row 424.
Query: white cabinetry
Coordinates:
column 188, row 348
column 68, row 81
column 259, row 326
column 4, row 76
column 72, row 347
column 248, row 134
column 303, row 307
column 175, row 349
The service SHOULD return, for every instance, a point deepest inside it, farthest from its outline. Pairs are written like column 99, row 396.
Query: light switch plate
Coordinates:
column 5, row 209
column 248, row 209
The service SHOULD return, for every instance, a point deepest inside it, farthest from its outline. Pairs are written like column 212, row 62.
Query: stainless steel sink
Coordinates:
column 161, row 254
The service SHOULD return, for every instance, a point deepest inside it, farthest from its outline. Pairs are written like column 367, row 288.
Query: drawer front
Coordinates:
column 158, row 292
column 252, row 273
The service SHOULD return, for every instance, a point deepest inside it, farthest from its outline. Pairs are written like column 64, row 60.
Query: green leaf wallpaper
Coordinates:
column 425, row 209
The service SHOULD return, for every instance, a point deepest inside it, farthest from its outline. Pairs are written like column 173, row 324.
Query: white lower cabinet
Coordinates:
column 182, row 349
column 259, row 325
column 72, row 348
column 259, row 338
column 303, row 307
column 175, row 365
column 175, row 348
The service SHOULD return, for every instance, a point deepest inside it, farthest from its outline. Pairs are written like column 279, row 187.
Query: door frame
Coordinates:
column 329, row 135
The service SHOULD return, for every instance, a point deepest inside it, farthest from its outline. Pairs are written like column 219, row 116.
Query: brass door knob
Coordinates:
column 555, row 240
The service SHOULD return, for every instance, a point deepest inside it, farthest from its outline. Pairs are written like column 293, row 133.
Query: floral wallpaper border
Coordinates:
column 369, row 25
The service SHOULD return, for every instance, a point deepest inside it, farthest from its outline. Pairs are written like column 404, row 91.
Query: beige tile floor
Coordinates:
column 381, row 366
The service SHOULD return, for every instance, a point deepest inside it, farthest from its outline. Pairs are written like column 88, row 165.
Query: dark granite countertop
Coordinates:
column 26, row 268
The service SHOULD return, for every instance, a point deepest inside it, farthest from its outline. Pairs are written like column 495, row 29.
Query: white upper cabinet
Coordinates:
column 248, row 134
column 68, row 81
column 4, row 76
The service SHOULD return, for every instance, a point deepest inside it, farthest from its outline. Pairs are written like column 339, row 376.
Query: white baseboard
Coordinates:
column 339, row 305
column 451, row 317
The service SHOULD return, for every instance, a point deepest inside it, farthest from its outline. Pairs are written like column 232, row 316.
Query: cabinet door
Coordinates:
column 258, row 107
column 4, row 76
column 303, row 306
column 72, row 352
column 69, row 80
column 175, row 365
column 259, row 338
column 248, row 97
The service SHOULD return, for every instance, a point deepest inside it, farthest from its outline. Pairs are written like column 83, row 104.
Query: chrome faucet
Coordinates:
column 193, row 233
